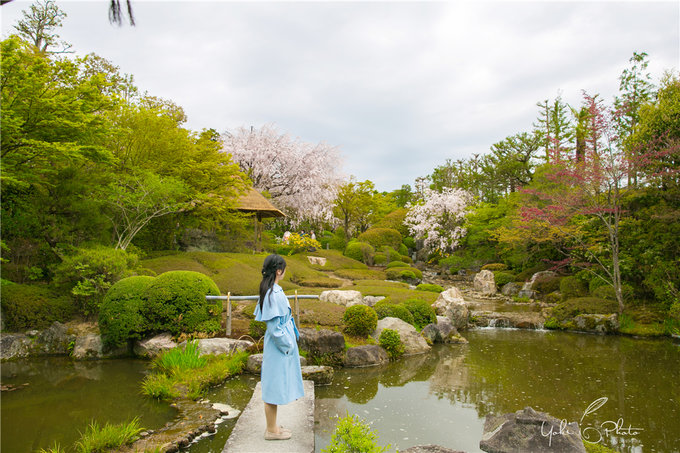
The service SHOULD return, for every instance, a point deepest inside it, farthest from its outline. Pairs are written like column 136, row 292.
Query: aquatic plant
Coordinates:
column 353, row 435
column 177, row 359
column 97, row 438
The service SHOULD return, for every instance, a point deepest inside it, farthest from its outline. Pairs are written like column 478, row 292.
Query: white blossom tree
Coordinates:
column 437, row 219
column 301, row 177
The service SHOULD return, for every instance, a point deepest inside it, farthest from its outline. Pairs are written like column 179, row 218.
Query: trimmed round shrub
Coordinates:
column 379, row 237
column 494, row 267
column 120, row 317
column 390, row 341
column 546, row 284
column 175, row 302
column 423, row 313
column 502, row 278
column 33, row 307
column 387, row 310
column 379, row 259
column 402, row 273
column 572, row 287
column 394, row 220
column 403, row 250
column 397, row 264
column 360, row 320
column 409, row 242
column 360, row 251
column 429, row 287
column 406, row 259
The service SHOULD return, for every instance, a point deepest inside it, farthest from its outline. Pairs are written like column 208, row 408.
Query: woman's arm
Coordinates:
column 280, row 337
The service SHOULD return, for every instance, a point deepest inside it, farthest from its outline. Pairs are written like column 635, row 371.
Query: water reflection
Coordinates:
column 443, row 397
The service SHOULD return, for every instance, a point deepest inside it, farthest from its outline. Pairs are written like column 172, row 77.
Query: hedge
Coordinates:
column 360, row 320
column 120, row 317
column 380, row 237
column 423, row 313
column 33, row 307
column 385, row 309
column 360, row 251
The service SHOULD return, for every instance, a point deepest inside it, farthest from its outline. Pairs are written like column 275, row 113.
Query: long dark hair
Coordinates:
column 271, row 264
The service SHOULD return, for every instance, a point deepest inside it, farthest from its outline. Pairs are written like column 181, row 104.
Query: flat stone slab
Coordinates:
column 298, row 416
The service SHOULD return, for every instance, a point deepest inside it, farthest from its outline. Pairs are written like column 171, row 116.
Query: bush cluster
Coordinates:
column 607, row 292
column 390, row 341
column 572, row 287
column 423, row 313
column 360, row 320
column 360, row 251
column 381, row 237
column 120, row 317
column 494, row 267
column 430, row 287
column 404, row 273
column 33, row 307
column 385, row 309
column 501, row 278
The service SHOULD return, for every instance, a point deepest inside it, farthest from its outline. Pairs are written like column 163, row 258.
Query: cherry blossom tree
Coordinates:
column 437, row 220
column 301, row 177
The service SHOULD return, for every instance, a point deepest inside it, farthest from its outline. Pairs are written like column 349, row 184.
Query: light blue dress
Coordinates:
column 281, row 376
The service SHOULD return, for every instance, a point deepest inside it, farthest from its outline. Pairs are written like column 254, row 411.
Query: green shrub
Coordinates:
column 429, row 287
column 583, row 305
column 502, row 278
column 353, row 435
column 90, row 272
column 551, row 323
column 572, row 287
column 406, row 259
column 257, row 329
column 282, row 249
column 423, row 313
column 494, row 267
column 394, row 220
column 177, row 360
column 390, row 341
column 338, row 241
column 397, row 264
column 409, row 242
column 401, row 273
column 360, row 251
column 175, row 302
column 33, row 307
column 379, row 259
column 120, row 317
column 385, row 309
column 360, row 320
column 607, row 292
column 596, row 282
column 104, row 438
column 553, row 298
column 403, row 250
column 547, row 284
column 380, row 237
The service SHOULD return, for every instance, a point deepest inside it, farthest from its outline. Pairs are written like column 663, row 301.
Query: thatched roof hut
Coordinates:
column 254, row 202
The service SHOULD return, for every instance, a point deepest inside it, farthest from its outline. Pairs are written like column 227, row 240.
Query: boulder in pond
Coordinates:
column 217, row 346
column 344, row 298
column 431, row 334
column 254, row 364
column 597, row 323
column 529, row 430
column 88, row 347
column 485, row 283
column 326, row 345
column 54, row 340
column 413, row 342
column 450, row 303
column 152, row 347
column 15, row 346
column 366, row 355
column 511, row 289
column 320, row 375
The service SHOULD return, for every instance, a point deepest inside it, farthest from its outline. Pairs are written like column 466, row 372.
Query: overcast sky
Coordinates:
column 398, row 87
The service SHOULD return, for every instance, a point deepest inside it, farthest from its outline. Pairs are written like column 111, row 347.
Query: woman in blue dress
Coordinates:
column 281, row 376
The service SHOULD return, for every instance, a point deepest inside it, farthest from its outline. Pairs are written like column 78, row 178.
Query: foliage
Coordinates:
column 380, row 237
column 175, row 302
column 178, row 360
column 572, row 287
column 401, row 273
column 353, row 205
column 360, row 320
column 582, row 305
column 379, row 259
column 385, row 309
column 360, row 251
column 494, row 267
column 437, row 221
column 546, row 284
column 353, row 435
column 300, row 243
column 397, row 264
column 607, row 292
column 409, row 242
column 395, row 221
column 257, row 329
column 422, row 311
column 338, row 241
column 97, row 439
column 299, row 176
column 429, row 287
column 120, row 317
column 390, row 341
column 501, row 278
column 32, row 307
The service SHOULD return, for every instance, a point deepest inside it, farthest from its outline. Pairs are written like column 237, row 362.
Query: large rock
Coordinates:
column 54, row 340
column 517, row 320
column 429, row 449
column 448, row 332
column 372, row 300
column 511, row 289
column 15, row 346
column 450, row 303
column 485, row 283
column 431, row 334
column 344, row 298
column 152, row 347
column 88, row 347
column 366, row 355
column 326, row 345
column 317, row 260
column 217, row 346
column 320, row 375
column 529, row 430
column 413, row 342
column 254, row 364
column 597, row 323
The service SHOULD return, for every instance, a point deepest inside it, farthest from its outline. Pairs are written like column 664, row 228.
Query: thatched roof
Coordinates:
column 253, row 201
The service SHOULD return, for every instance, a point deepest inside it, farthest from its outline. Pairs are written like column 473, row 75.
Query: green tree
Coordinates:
column 39, row 24
column 353, row 204
column 554, row 127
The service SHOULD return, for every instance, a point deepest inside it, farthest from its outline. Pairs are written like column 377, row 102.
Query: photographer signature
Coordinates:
column 592, row 434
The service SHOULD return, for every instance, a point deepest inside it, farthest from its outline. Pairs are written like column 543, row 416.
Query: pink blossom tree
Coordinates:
column 437, row 220
column 301, row 177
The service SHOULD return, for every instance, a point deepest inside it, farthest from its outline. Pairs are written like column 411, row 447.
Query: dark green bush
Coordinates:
column 402, row 273
column 582, row 305
column 494, row 267
column 397, row 264
column 380, row 237
column 502, row 278
column 175, row 302
column 547, row 284
column 423, row 313
column 33, row 307
column 403, row 250
column 406, row 259
column 257, row 329
column 572, row 287
column 388, row 310
column 338, row 241
column 360, row 251
column 409, row 242
column 429, row 287
column 360, row 320
column 120, row 317
column 390, row 341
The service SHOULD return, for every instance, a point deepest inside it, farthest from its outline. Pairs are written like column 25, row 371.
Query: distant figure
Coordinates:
column 281, row 375
column 313, row 236
column 302, row 233
column 286, row 236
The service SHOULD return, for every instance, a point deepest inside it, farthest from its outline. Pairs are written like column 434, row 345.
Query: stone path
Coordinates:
column 298, row 416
